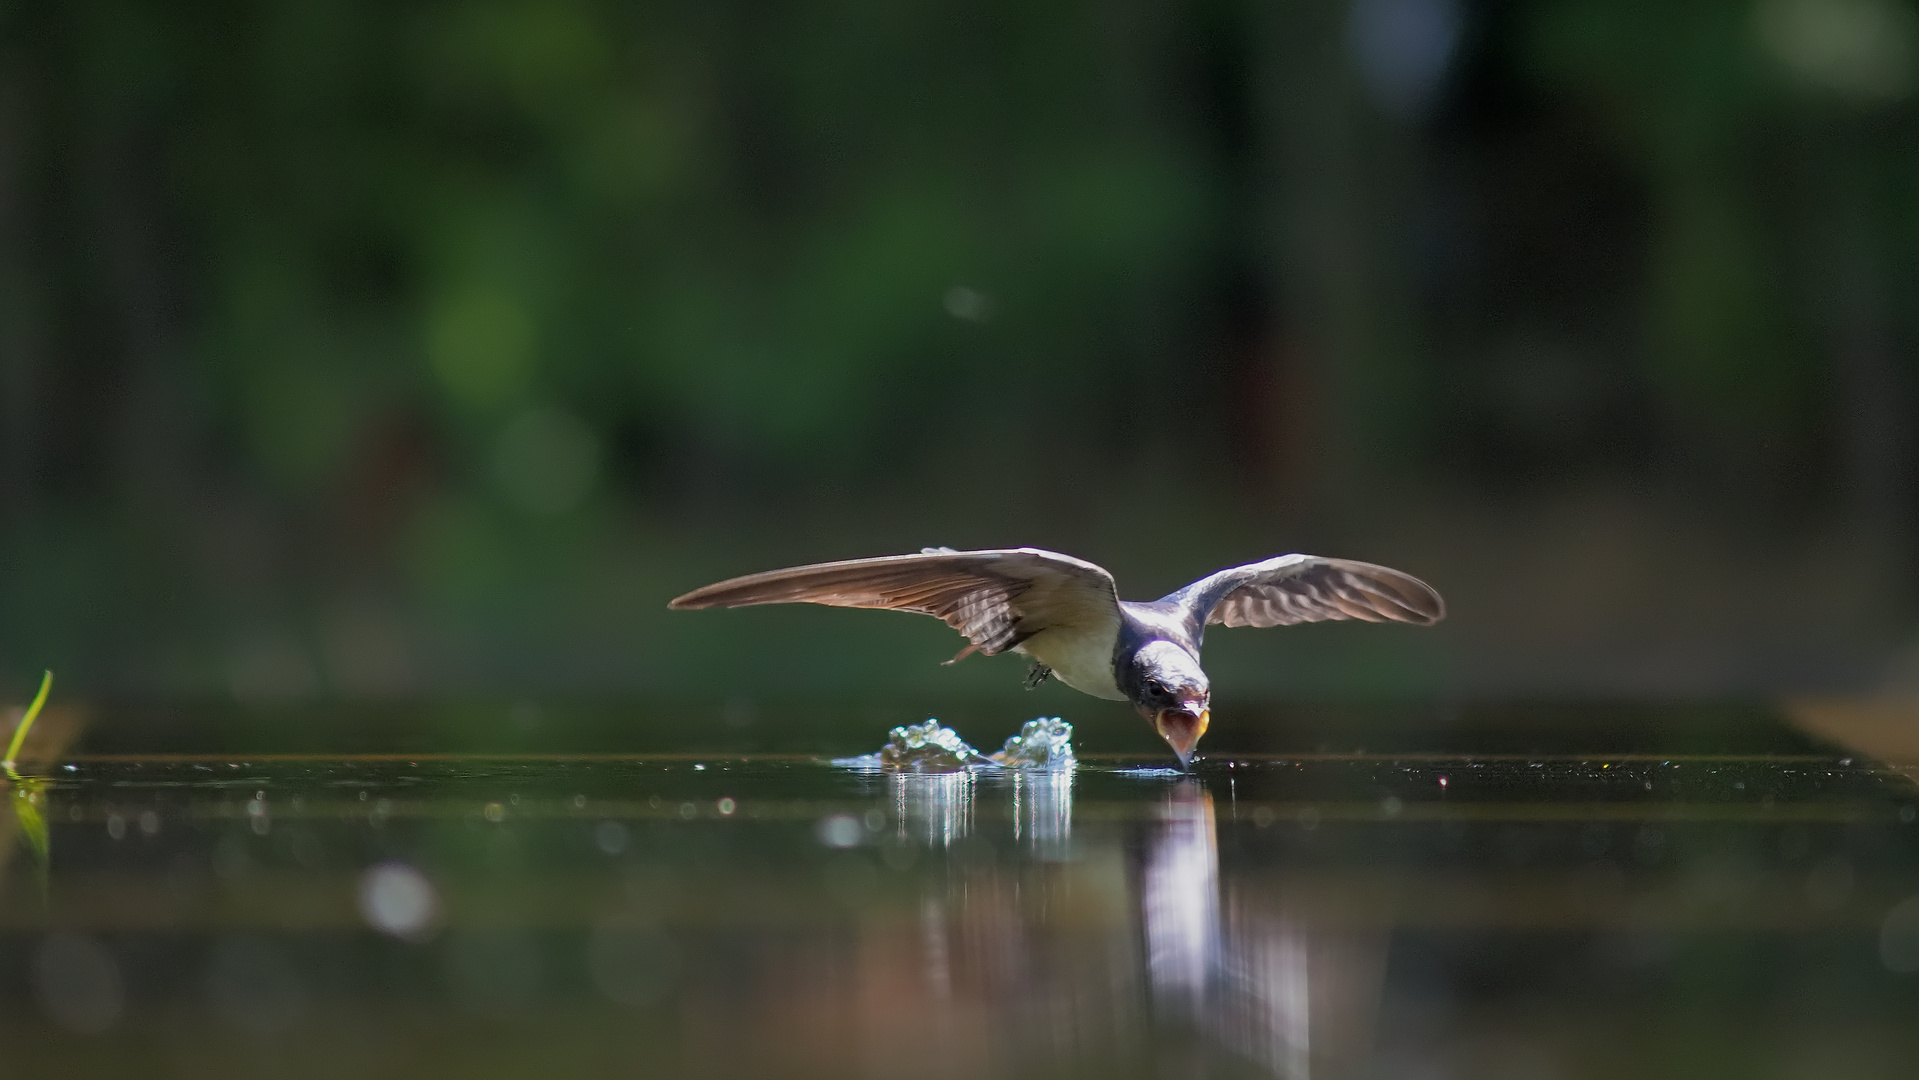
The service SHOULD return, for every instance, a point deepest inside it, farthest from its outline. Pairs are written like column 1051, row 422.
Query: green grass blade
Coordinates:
column 26, row 721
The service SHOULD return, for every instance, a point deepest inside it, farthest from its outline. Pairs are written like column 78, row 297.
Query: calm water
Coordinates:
column 1543, row 897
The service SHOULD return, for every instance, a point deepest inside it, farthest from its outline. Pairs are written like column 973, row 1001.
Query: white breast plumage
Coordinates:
column 1080, row 658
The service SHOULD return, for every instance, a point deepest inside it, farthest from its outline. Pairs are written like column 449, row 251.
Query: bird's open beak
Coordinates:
column 1182, row 727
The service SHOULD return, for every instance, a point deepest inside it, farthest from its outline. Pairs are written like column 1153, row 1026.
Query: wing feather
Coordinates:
column 997, row 598
column 1294, row 589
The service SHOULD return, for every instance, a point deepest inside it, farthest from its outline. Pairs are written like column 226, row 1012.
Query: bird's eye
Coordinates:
column 1156, row 686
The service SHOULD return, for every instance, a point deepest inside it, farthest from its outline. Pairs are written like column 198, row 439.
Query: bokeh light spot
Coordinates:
column 610, row 837
column 480, row 343
column 839, row 831
column 396, row 899
column 1857, row 48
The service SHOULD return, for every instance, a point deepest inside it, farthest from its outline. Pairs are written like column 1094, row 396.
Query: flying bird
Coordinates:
column 1066, row 614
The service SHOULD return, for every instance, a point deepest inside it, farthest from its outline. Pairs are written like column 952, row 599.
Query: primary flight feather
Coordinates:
column 1066, row 614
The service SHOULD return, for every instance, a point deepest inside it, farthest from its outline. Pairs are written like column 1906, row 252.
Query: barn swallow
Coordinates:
column 1066, row 615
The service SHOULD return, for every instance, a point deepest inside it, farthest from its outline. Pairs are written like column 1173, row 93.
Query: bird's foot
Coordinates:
column 1037, row 674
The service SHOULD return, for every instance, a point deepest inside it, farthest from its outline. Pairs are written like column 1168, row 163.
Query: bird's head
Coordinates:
column 1171, row 692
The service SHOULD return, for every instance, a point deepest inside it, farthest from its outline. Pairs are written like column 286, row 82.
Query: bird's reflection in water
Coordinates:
column 1266, row 1007
column 1041, row 937
column 933, row 808
column 1179, row 901
column 1257, row 967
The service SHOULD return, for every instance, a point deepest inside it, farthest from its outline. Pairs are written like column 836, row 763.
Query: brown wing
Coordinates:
column 997, row 598
column 1305, row 588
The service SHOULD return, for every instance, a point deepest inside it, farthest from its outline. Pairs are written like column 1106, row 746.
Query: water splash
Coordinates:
column 931, row 747
column 1045, row 743
column 928, row 747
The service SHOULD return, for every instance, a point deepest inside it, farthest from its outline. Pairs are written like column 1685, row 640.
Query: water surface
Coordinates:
column 1520, row 898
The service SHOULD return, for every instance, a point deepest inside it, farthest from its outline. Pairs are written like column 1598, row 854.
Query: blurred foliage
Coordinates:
column 376, row 347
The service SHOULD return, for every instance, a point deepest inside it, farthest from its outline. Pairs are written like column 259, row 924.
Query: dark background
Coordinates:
column 359, row 350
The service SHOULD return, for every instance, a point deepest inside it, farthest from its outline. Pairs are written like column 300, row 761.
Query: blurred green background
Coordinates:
column 379, row 350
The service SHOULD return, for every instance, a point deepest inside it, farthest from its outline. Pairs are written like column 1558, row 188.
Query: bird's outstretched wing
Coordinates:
column 1306, row 588
column 997, row 598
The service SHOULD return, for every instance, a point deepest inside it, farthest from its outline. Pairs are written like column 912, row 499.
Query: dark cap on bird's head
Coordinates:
column 1170, row 690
